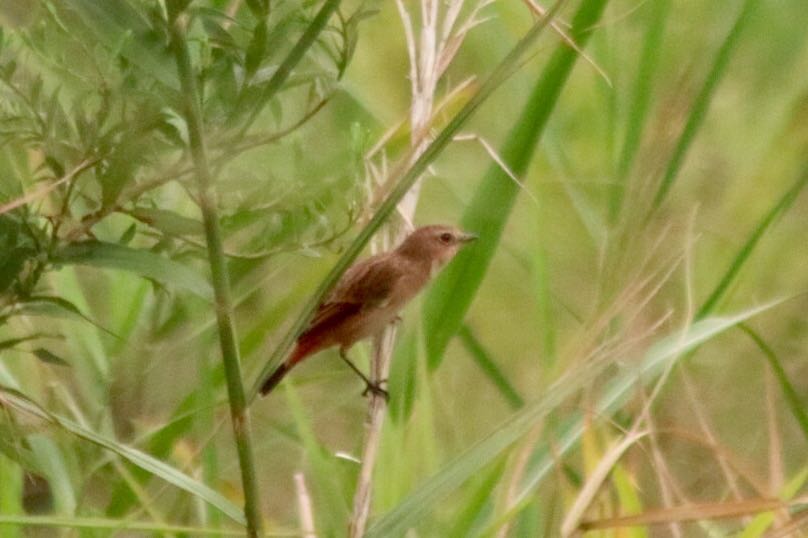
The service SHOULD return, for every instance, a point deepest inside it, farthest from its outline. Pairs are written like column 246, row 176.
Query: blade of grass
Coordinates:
column 489, row 367
column 228, row 340
column 324, row 477
column 782, row 205
column 450, row 297
column 698, row 110
column 793, row 401
column 14, row 399
column 628, row 494
column 10, row 493
column 639, row 101
column 470, row 462
column 404, row 178
column 55, row 522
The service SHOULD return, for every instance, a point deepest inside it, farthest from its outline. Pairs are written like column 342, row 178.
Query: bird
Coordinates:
column 370, row 295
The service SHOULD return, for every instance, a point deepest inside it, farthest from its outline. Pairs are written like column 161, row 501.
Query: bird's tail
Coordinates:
column 302, row 349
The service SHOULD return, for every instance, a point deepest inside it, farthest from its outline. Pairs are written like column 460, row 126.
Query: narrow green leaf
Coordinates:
column 11, row 490
column 630, row 502
column 142, row 262
column 314, row 29
column 477, row 502
column 121, row 28
column 256, row 49
column 640, row 99
column 168, row 222
column 793, row 400
column 54, row 522
column 403, row 377
column 59, row 306
column 324, row 476
column 490, row 367
column 12, row 342
column 782, row 205
column 13, row 399
column 470, row 462
column 450, row 297
column 49, row 357
column 698, row 110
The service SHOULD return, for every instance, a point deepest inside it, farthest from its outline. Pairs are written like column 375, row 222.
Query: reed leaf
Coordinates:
column 449, row 299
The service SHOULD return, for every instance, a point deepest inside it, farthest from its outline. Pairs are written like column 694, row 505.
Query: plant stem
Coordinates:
column 239, row 414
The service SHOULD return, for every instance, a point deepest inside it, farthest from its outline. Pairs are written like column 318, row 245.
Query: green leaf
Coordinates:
column 122, row 29
column 58, row 307
column 792, row 397
column 13, row 399
column 640, row 100
column 13, row 342
column 782, row 205
column 470, row 463
column 168, row 222
column 449, row 298
column 256, row 49
column 309, row 37
column 489, row 366
column 142, row 262
column 51, row 358
column 116, row 525
column 698, row 110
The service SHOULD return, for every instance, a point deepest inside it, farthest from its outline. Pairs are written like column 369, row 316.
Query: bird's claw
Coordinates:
column 377, row 390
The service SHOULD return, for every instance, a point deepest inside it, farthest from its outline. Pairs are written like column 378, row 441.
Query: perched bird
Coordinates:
column 369, row 296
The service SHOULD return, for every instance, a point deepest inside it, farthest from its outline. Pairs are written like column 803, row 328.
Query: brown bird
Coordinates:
column 369, row 296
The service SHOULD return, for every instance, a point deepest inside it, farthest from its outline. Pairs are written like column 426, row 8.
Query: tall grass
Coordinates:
column 170, row 172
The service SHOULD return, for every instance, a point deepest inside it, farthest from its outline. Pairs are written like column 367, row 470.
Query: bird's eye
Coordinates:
column 446, row 238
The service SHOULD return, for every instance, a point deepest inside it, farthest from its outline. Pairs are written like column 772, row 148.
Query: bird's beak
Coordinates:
column 467, row 237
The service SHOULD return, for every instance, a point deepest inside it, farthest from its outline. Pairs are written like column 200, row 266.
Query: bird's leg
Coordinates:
column 370, row 386
column 396, row 320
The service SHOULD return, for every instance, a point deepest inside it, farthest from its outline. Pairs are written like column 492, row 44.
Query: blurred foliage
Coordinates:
column 657, row 210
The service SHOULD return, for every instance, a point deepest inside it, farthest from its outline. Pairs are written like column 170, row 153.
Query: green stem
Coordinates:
column 224, row 308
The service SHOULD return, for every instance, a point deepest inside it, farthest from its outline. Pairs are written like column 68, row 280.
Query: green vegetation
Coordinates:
column 620, row 353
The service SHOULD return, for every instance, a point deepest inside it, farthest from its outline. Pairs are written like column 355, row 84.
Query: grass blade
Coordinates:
column 473, row 460
column 640, row 101
column 54, row 522
column 448, row 300
column 489, row 367
column 14, row 399
column 698, row 110
column 779, row 208
column 789, row 392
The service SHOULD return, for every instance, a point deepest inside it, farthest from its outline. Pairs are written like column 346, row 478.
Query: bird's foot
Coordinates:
column 377, row 390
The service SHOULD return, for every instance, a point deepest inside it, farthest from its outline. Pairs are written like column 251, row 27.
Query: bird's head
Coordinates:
column 437, row 244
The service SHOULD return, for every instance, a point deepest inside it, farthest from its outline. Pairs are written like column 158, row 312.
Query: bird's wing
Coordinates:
column 367, row 284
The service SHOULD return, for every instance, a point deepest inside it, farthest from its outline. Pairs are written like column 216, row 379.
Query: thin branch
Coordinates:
column 44, row 190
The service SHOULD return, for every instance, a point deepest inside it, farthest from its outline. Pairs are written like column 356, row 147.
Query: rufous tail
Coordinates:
column 302, row 350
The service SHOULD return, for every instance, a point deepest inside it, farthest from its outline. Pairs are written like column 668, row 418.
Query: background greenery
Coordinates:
column 628, row 337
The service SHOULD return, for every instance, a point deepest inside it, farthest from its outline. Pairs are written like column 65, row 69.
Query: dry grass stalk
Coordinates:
column 440, row 34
